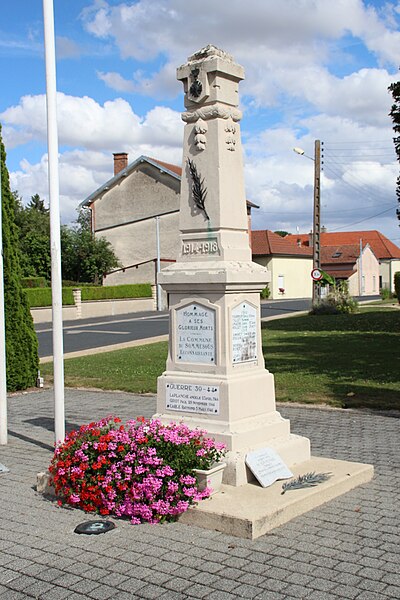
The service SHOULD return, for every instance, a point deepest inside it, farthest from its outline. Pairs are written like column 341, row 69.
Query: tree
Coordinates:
column 394, row 88
column 282, row 233
column 84, row 258
column 21, row 342
column 33, row 222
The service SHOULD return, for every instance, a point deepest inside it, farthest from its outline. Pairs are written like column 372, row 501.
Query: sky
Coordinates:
column 314, row 69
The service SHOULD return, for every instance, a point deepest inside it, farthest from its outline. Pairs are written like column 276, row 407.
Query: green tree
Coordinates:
column 282, row 233
column 84, row 258
column 21, row 342
column 394, row 88
column 33, row 222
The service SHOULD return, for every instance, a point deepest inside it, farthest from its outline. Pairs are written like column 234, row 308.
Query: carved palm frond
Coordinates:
column 305, row 481
column 199, row 192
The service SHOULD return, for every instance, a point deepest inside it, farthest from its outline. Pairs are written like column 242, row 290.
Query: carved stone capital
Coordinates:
column 212, row 112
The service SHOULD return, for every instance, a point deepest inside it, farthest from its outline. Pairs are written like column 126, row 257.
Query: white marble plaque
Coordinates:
column 267, row 466
column 244, row 333
column 190, row 397
column 195, row 334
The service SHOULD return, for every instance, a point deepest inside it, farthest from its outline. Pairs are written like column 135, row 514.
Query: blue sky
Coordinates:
column 315, row 69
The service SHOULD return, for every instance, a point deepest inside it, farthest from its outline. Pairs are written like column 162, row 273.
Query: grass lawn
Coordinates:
column 340, row 360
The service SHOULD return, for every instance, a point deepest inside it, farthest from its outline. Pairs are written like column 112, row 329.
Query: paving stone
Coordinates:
column 334, row 552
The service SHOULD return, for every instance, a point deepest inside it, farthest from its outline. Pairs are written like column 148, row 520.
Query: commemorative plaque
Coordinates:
column 195, row 334
column 190, row 397
column 244, row 333
column 267, row 466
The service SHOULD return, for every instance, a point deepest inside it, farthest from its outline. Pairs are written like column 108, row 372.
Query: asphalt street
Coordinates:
column 101, row 332
column 98, row 332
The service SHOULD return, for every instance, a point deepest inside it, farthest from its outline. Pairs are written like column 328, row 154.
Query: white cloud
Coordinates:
column 83, row 122
column 116, row 82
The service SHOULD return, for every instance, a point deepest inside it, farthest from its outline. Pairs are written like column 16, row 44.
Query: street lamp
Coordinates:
column 316, row 233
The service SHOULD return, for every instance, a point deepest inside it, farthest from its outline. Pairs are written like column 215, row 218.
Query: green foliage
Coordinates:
column 265, row 293
column 40, row 297
column 394, row 88
column 34, row 282
column 282, row 233
column 337, row 301
column 397, row 285
column 21, row 342
column 33, row 222
column 84, row 257
column 134, row 290
column 386, row 294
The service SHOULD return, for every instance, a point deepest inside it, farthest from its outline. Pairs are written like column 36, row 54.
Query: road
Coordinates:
column 123, row 330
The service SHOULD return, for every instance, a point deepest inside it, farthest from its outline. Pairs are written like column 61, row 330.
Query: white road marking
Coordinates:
column 75, row 331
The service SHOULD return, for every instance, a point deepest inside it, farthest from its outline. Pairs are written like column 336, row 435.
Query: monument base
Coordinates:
column 250, row 511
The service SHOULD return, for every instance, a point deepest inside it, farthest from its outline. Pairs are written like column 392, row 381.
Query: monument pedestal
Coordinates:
column 215, row 377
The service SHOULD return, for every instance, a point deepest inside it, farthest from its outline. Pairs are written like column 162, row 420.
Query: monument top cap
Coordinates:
column 210, row 51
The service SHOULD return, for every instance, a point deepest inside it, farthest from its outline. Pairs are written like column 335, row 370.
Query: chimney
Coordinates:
column 120, row 161
column 323, row 229
column 310, row 239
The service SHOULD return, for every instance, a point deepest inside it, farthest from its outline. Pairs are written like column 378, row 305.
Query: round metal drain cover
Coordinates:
column 94, row 527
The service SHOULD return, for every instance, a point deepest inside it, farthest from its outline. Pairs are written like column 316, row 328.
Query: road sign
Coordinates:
column 316, row 274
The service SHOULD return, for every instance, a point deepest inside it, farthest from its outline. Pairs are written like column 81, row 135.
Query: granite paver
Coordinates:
column 347, row 548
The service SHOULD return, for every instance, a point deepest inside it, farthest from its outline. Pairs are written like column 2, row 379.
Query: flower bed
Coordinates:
column 142, row 470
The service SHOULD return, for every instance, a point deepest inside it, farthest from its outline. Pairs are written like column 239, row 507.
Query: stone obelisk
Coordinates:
column 215, row 376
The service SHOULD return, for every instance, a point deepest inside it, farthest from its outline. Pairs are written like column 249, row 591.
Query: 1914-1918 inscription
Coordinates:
column 195, row 334
column 244, row 333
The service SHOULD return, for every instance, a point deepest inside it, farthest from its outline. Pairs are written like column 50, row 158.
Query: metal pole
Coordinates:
column 317, row 220
column 361, row 269
column 158, row 288
column 56, row 281
column 3, row 375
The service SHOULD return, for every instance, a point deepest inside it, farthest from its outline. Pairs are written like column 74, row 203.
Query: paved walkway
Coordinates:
column 348, row 548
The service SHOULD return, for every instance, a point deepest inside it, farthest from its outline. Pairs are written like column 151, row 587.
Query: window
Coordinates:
column 373, row 283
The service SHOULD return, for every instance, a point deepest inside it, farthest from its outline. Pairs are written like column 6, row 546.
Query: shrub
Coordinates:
column 265, row 293
column 34, row 282
column 134, row 290
column 143, row 470
column 40, row 297
column 397, row 285
column 386, row 294
column 337, row 301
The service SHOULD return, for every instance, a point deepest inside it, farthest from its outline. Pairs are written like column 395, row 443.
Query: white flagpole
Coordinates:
column 3, row 376
column 54, row 196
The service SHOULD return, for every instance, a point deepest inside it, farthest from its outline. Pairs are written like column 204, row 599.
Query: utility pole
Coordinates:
column 316, row 296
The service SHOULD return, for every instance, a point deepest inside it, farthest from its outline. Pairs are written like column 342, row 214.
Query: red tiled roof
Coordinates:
column 380, row 245
column 266, row 242
column 174, row 168
column 334, row 255
column 340, row 273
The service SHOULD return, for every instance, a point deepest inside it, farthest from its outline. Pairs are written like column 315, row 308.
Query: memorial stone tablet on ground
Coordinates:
column 267, row 466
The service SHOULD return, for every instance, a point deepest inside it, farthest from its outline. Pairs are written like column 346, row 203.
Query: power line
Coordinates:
column 367, row 218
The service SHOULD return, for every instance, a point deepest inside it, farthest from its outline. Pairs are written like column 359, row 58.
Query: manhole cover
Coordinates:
column 94, row 527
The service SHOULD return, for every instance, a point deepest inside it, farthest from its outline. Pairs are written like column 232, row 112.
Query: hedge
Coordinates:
column 42, row 296
column 34, row 282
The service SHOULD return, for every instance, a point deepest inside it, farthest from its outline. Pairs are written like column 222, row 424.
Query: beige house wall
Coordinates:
column 387, row 270
column 125, row 216
column 294, row 272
